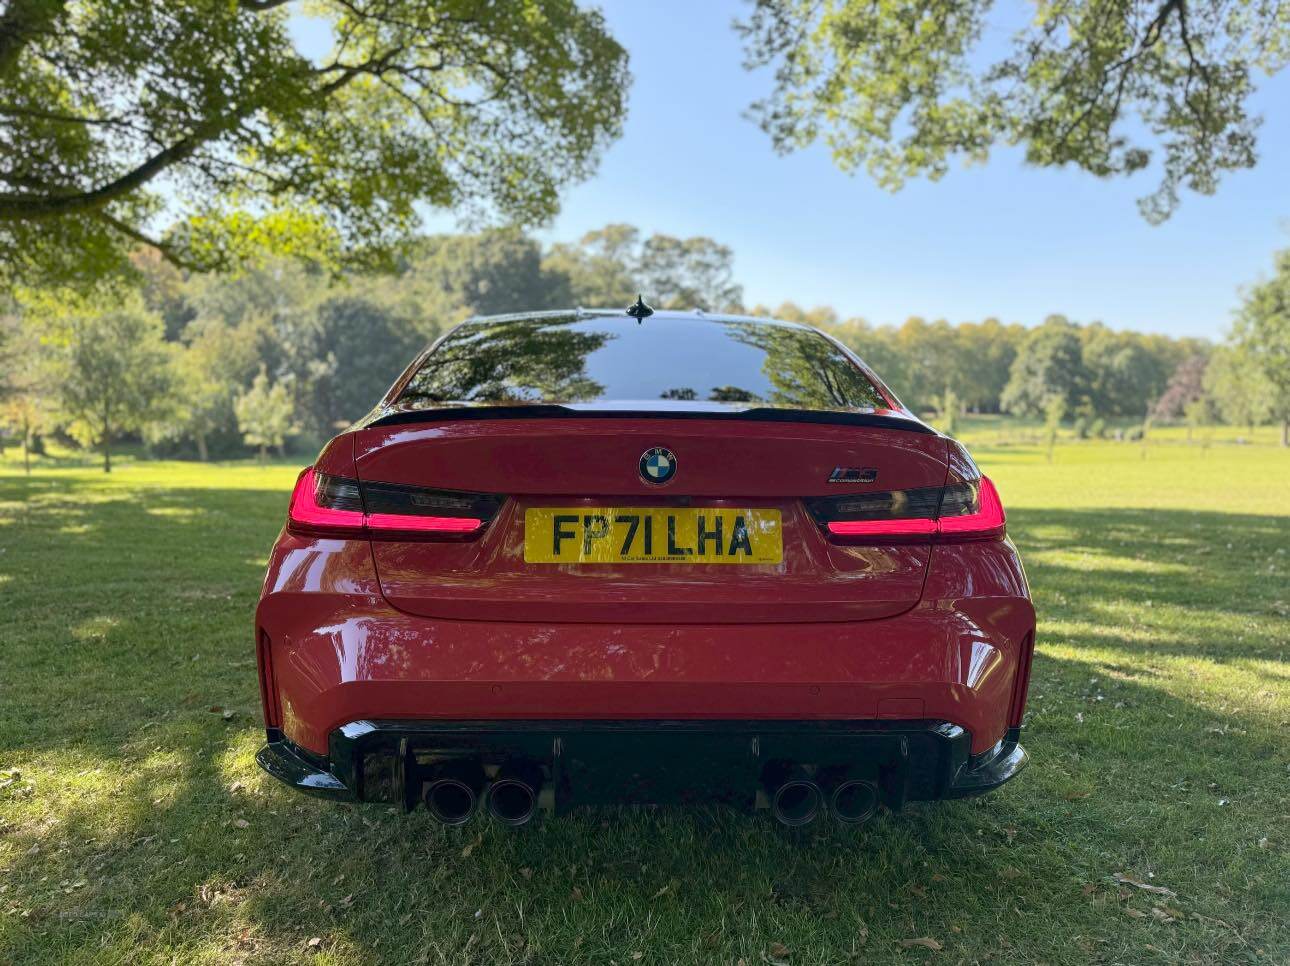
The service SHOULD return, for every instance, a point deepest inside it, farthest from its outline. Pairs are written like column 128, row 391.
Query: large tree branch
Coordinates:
column 260, row 6
column 26, row 206
column 29, row 206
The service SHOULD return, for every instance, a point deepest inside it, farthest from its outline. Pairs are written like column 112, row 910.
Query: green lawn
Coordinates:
column 134, row 825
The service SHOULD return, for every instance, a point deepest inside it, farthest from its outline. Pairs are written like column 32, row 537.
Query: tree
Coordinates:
column 988, row 348
column 1185, row 386
column 1048, row 363
column 266, row 414
column 606, row 269
column 902, row 86
column 1124, row 376
column 114, row 113
column 1262, row 332
column 210, row 372
column 1054, row 413
column 24, row 396
column 688, row 273
column 450, row 277
column 114, row 372
column 1238, row 387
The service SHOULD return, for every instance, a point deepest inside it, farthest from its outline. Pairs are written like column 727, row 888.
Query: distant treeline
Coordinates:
column 283, row 354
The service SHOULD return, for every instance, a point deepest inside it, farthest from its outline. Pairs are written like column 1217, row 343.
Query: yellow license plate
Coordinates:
column 620, row 535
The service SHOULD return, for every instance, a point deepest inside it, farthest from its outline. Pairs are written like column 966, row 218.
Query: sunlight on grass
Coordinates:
column 138, row 827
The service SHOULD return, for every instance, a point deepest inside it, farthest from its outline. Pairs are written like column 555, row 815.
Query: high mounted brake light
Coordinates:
column 323, row 505
column 966, row 508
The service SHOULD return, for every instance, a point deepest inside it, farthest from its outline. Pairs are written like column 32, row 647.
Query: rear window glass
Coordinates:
column 618, row 360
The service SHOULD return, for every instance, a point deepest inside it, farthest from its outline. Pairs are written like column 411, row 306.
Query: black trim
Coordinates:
column 400, row 417
column 389, row 760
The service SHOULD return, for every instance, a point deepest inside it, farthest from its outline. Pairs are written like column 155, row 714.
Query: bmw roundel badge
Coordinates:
column 658, row 465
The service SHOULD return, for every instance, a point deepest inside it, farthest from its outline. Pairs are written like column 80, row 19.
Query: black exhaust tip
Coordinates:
column 511, row 801
column 453, row 795
column 854, row 801
column 513, row 795
column 797, row 802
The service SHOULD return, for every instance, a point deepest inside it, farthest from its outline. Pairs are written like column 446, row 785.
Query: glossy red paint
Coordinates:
column 342, row 651
column 376, row 616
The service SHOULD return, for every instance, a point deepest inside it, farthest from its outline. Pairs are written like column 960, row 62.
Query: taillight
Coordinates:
column 324, row 505
column 966, row 508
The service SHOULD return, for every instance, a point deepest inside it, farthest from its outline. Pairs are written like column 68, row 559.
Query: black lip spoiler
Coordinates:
column 399, row 417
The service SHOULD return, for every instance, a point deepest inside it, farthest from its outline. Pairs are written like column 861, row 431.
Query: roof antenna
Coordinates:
column 638, row 310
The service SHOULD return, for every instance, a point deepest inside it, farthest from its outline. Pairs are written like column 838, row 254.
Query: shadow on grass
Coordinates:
column 148, row 832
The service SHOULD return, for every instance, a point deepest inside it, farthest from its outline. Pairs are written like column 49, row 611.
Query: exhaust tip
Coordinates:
column 797, row 803
column 511, row 801
column 451, row 800
column 854, row 801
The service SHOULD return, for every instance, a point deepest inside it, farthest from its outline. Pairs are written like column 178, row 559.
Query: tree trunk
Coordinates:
column 1285, row 431
column 263, row 453
column 202, row 453
column 26, row 452
column 107, row 456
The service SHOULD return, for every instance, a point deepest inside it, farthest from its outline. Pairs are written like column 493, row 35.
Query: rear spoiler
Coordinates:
column 884, row 420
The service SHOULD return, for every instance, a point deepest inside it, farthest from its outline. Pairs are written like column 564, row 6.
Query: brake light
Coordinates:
column 962, row 510
column 318, row 504
column 324, row 505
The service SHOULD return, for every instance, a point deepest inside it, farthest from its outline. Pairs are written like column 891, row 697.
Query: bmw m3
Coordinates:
column 604, row 556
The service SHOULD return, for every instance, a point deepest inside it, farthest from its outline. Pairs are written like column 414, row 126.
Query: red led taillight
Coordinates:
column 967, row 507
column 323, row 505
column 889, row 528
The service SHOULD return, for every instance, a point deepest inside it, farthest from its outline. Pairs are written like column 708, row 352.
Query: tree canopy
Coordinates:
column 115, row 114
column 900, row 87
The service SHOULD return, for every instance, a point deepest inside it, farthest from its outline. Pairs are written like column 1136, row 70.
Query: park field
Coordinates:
column 1153, row 825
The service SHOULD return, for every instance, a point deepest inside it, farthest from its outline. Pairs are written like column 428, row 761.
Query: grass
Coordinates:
column 134, row 825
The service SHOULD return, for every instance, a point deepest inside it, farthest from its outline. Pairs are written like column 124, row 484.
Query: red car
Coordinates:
column 591, row 557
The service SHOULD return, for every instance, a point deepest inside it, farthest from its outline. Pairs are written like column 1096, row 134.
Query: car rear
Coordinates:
column 577, row 557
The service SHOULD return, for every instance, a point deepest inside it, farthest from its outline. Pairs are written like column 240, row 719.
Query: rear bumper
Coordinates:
column 604, row 762
column 333, row 651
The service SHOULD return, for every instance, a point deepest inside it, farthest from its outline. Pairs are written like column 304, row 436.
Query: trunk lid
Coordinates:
column 583, row 466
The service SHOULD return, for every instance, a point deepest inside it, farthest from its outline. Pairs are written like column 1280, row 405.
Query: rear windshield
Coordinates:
column 615, row 359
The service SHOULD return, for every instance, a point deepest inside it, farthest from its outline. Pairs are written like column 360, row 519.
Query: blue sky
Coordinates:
column 1002, row 239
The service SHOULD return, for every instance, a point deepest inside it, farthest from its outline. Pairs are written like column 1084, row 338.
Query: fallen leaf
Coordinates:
column 526, row 872
column 241, row 823
column 470, row 846
column 1135, row 913
column 638, row 955
column 926, row 942
column 1011, row 833
column 315, row 942
column 1089, row 888
column 1144, row 886
column 778, row 952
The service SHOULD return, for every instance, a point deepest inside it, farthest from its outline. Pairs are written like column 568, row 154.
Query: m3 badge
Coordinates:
column 853, row 474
